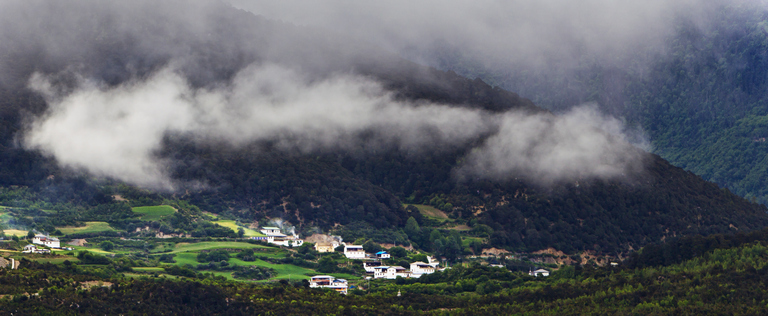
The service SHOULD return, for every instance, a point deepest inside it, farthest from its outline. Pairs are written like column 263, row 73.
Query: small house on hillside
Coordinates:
column 274, row 236
column 327, row 281
column 539, row 272
column 33, row 249
column 271, row 231
column 51, row 242
column 418, row 268
column 370, row 266
column 354, row 251
column 325, row 247
column 382, row 255
column 396, row 271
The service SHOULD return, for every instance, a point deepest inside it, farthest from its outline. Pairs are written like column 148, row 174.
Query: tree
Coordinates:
column 107, row 245
column 326, row 264
column 30, row 235
column 412, row 228
column 398, row 252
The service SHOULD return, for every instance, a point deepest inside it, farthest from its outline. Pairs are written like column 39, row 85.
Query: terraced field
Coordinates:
column 151, row 213
column 90, row 227
column 233, row 225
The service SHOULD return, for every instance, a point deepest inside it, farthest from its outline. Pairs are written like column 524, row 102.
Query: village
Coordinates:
column 268, row 250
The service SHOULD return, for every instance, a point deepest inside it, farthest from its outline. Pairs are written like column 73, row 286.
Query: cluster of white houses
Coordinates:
column 392, row 272
column 274, row 236
column 50, row 242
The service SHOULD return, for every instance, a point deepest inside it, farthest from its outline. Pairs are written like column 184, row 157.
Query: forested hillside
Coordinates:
column 318, row 189
column 701, row 99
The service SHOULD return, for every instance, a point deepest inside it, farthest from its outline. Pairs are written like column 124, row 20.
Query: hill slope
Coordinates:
column 322, row 188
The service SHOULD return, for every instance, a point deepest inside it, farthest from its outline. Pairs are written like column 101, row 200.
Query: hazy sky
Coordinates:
column 493, row 31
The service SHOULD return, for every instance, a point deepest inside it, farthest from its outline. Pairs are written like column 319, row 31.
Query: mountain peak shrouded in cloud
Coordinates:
column 119, row 78
column 494, row 32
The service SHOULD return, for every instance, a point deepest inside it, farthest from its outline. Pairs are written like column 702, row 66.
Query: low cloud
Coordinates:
column 547, row 149
column 117, row 131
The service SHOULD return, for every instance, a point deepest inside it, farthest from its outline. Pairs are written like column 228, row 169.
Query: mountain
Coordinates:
column 609, row 197
column 701, row 98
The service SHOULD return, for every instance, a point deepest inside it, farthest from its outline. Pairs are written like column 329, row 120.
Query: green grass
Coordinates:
column 189, row 258
column 431, row 212
column 54, row 260
column 16, row 232
column 232, row 225
column 151, row 213
column 345, row 276
column 209, row 245
column 90, row 227
column 467, row 241
column 148, row 269
column 94, row 250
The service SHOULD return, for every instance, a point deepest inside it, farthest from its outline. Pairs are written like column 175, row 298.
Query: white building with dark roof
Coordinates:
column 354, row 251
column 327, row 281
column 51, row 242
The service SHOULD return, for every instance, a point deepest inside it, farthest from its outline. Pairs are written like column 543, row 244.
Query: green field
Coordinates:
column 232, row 225
column 467, row 241
column 15, row 232
column 148, row 269
column 94, row 250
column 151, row 213
column 90, row 227
column 209, row 245
column 430, row 211
column 53, row 260
column 186, row 254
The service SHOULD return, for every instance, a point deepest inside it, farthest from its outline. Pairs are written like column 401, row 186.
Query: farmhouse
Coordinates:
column 274, row 236
column 380, row 272
column 51, row 242
column 370, row 266
column 537, row 272
column 327, row 281
column 418, row 268
column 396, row 271
column 382, row 255
column 33, row 249
column 354, row 251
column 271, row 231
column 326, row 247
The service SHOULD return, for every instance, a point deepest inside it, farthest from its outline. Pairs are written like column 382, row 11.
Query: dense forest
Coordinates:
column 258, row 182
column 701, row 100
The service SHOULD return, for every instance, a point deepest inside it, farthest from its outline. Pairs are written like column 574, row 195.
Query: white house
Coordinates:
column 538, row 272
column 380, row 272
column 33, row 249
column 382, row 255
column 327, row 281
column 51, row 242
column 354, row 252
column 29, row 249
column 370, row 266
column 418, row 268
column 271, row 231
column 274, row 236
column 394, row 272
column 326, row 247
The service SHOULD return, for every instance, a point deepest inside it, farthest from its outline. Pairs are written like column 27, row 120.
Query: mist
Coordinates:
column 492, row 32
column 118, row 78
column 117, row 131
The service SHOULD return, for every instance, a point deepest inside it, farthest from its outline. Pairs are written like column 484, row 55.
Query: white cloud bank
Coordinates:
column 116, row 132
